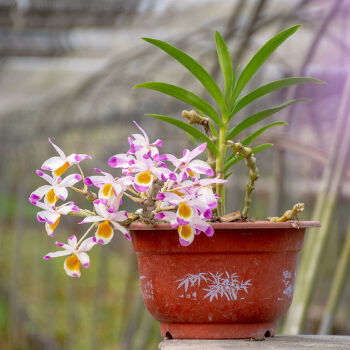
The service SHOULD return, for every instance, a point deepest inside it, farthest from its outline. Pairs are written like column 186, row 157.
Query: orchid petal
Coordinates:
column 91, row 219
column 46, row 177
column 53, row 163
column 197, row 151
column 39, row 193
column 59, row 150
column 201, row 167
column 87, row 244
column 70, row 180
column 84, row 259
column 57, row 254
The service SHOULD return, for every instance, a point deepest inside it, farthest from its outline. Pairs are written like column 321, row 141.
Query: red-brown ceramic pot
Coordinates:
column 236, row 284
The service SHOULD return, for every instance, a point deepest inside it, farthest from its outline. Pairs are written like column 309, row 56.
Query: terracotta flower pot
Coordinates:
column 236, row 284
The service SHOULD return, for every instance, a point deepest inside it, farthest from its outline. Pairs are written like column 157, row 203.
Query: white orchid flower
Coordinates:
column 78, row 256
column 59, row 164
column 108, row 216
column 51, row 215
column 57, row 188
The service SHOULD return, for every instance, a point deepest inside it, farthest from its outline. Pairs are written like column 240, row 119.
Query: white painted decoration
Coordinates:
column 220, row 284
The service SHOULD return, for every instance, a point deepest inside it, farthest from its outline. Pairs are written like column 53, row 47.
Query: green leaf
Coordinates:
column 213, row 130
column 183, row 95
column 255, row 118
column 188, row 128
column 270, row 87
column 192, row 139
column 195, row 68
column 257, row 133
column 226, row 176
column 233, row 160
column 225, row 64
column 260, row 57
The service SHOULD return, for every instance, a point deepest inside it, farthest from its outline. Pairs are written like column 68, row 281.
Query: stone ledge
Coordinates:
column 292, row 342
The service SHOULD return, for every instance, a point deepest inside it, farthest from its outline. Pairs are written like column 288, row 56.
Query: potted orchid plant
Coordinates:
column 236, row 283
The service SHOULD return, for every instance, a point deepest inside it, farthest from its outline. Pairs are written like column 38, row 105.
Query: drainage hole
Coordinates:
column 267, row 334
column 168, row 335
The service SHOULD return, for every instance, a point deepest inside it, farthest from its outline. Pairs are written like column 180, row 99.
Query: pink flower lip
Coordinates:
column 59, row 244
column 172, row 176
column 160, row 196
column 159, row 216
column 40, row 219
column 141, row 188
column 182, row 221
column 78, row 177
column 159, row 143
column 86, row 265
column 88, row 182
column 46, row 257
column 113, row 162
column 209, row 231
column 183, row 242
column 40, row 173
column 208, row 214
column 100, row 241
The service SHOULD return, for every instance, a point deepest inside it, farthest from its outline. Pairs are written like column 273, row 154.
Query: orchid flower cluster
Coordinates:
column 179, row 190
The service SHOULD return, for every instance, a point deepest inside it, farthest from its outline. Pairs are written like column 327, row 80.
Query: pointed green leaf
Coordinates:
column 233, row 160
column 225, row 64
column 230, row 102
column 270, row 87
column 255, row 118
column 226, row 176
column 257, row 133
column 195, row 68
column 192, row 139
column 213, row 130
column 188, row 128
column 260, row 57
column 183, row 95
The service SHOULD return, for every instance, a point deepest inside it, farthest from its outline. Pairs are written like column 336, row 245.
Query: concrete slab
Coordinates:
column 286, row 342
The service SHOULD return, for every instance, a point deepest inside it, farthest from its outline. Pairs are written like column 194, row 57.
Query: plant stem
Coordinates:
column 250, row 160
column 134, row 199
column 289, row 214
column 82, row 213
column 85, row 234
column 220, row 162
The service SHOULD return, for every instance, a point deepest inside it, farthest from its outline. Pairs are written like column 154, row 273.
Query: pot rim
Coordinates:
column 295, row 224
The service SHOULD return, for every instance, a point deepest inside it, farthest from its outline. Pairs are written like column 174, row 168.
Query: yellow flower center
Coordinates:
column 192, row 174
column 184, row 210
column 51, row 197
column 107, row 190
column 104, row 230
column 73, row 263
column 178, row 193
column 59, row 171
column 185, row 231
column 144, row 178
column 54, row 225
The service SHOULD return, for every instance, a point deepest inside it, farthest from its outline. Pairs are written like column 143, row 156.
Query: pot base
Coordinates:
column 217, row 330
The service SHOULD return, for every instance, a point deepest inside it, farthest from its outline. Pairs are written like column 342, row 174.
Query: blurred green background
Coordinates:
column 67, row 70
